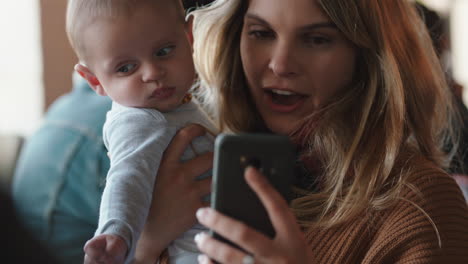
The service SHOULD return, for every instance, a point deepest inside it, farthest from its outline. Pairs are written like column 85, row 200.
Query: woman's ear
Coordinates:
column 92, row 80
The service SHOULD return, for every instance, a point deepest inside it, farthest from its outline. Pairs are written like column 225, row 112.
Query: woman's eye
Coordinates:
column 261, row 34
column 317, row 40
column 164, row 51
column 126, row 68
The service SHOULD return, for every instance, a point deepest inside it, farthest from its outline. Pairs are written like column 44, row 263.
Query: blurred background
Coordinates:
column 37, row 62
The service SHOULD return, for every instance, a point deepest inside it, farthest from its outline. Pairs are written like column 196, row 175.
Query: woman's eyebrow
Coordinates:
column 319, row 25
column 255, row 17
column 312, row 26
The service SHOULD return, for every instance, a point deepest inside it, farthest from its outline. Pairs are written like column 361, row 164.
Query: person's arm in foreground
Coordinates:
column 176, row 196
column 288, row 246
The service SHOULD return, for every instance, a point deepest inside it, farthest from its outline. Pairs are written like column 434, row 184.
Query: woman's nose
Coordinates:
column 282, row 61
column 153, row 72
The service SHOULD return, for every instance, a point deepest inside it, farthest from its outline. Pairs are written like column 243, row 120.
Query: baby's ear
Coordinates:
column 89, row 76
column 188, row 29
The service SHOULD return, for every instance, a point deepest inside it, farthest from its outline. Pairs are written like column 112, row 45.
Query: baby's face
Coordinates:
column 144, row 60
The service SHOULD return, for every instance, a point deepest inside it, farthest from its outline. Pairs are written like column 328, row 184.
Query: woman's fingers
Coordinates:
column 280, row 215
column 182, row 140
column 204, row 186
column 202, row 191
column 288, row 246
column 248, row 238
column 193, row 167
column 219, row 251
column 204, row 259
column 200, row 164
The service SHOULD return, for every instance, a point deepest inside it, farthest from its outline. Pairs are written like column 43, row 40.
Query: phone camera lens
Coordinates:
column 250, row 161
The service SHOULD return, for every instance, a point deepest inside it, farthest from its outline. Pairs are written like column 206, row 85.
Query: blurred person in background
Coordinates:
column 61, row 173
column 18, row 245
column 439, row 30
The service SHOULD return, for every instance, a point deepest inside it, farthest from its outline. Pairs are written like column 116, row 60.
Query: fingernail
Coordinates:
column 202, row 258
column 199, row 237
column 252, row 169
column 202, row 213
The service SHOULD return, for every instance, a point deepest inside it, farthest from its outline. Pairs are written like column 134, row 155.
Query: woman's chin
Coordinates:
column 281, row 128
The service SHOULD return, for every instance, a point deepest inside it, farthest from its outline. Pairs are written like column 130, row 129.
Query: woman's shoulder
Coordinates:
column 429, row 219
column 430, row 186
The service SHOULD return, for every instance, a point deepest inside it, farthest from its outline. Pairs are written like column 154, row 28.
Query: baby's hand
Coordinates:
column 105, row 249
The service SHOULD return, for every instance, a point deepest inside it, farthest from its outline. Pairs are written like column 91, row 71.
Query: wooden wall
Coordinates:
column 58, row 56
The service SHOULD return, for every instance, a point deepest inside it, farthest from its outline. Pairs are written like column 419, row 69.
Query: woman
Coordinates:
column 357, row 86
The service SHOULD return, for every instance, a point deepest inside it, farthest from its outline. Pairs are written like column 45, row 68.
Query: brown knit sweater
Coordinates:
column 403, row 233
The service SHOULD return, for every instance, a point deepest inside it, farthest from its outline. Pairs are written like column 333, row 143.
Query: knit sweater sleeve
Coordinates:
column 429, row 224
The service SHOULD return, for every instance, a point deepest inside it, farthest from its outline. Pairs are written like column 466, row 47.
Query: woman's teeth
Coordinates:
column 282, row 97
column 281, row 92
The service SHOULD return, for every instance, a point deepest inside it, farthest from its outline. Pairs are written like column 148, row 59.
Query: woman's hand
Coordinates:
column 176, row 197
column 288, row 246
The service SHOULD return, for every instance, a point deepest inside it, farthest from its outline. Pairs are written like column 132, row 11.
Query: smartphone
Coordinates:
column 272, row 155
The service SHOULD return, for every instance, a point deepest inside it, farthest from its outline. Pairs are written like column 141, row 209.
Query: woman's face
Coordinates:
column 294, row 58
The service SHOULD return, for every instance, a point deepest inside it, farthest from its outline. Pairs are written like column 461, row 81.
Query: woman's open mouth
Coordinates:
column 283, row 100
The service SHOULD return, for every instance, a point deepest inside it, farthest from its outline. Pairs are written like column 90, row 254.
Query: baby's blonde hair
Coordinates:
column 82, row 13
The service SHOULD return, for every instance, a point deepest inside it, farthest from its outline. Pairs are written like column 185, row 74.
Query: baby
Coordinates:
column 139, row 54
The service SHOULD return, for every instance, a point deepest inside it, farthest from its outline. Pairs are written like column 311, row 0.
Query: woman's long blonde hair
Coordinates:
column 398, row 106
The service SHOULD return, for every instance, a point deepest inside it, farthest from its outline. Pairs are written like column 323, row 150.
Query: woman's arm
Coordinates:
column 176, row 196
column 288, row 246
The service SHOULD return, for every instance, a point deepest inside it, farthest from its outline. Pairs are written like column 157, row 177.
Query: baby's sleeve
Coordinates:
column 136, row 140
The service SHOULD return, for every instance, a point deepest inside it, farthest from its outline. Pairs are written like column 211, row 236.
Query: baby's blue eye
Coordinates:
column 164, row 51
column 126, row 68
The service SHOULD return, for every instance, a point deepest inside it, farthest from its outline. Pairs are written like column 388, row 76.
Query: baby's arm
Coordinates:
column 136, row 141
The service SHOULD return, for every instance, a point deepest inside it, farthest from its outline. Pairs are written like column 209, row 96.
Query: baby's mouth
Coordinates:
column 163, row 93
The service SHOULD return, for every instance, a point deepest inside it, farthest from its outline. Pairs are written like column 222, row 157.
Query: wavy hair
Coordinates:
column 397, row 107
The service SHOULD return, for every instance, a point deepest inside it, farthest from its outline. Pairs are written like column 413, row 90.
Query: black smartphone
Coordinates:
column 273, row 155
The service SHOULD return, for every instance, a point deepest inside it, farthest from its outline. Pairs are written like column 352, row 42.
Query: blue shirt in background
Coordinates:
column 61, row 173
